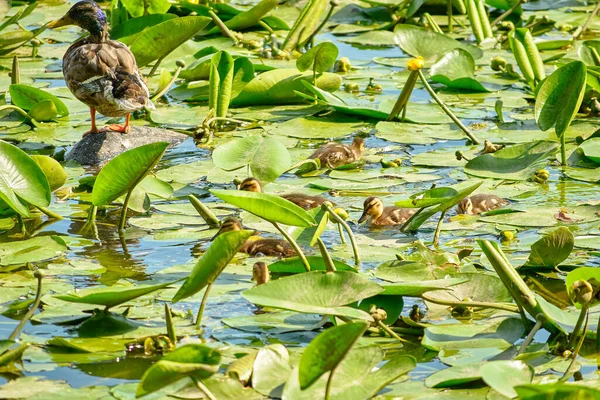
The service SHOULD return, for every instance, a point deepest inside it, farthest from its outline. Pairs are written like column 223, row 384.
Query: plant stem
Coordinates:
column 446, row 109
column 404, row 96
column 506, row 13
column 124, row 210
column 348, row 231
column 293, row 243
column 438, row 229
column 170, row 325
column 563, row 148
column 328, row 386
column 390, row 332
column 168, row 86
column 36, row 304
column 92, row 213
column 17, row 109
column 587, row 22
column 578, row 324
column 155, row 67
column 203, row 305
column 341, row 233
column 15, row 75
column 222, row 27
column 480, row 304
column 267, row 27
column 50, row 213
column 449, row 12
column 567, row 373
column 329, row 265
column 412, row 218
column 21, row 225
column 539, row 320
column 204, row 390
column 321, row 26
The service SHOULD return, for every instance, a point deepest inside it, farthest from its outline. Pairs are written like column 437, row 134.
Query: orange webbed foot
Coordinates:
column 91, row 131
column 116, row 128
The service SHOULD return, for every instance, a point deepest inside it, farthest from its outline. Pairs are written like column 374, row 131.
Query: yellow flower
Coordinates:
column 415, row 64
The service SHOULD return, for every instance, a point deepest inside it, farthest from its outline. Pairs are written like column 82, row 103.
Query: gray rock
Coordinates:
column 99, row 148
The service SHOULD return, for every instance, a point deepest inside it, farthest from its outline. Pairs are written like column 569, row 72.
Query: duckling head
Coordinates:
column 373, row 207
column 229, row 224
column 260, row 273
column 251, row 185
column 85, row 14
column 465, row 206
column 358, row 144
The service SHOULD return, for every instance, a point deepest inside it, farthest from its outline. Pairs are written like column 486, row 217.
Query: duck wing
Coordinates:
column 105, row 76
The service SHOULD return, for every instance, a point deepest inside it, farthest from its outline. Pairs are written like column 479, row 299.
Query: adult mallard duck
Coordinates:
column 257, row 245
column 100, row 72
column 333, row 155
column 480, row 203
column 301, row 200
column 379, row 215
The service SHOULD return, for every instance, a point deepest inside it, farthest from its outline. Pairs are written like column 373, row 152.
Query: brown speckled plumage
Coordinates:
column 333, row 155
column 305, row 201
column 378, row 215
column 480, row 203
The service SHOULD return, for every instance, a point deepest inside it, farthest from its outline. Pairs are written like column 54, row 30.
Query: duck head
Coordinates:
column 372, row 207
column 250, row 185
column 85, row 14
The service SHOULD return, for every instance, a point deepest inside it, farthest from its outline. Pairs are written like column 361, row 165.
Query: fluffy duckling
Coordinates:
column 480, row 203
column 334, row 154
column 301, row 200
column 379, row 215
column 260, row 273
column 253, row 247
column 100, row 72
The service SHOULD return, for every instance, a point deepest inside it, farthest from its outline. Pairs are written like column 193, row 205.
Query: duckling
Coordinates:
column 301, row 200
column 253, row 247
column 379, row 215
column 480, row 203
column 260, row 273
column 334, row 154
column 100, row 72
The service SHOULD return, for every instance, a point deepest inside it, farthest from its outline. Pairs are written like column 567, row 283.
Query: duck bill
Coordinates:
column 64, row 21
column 363, row 217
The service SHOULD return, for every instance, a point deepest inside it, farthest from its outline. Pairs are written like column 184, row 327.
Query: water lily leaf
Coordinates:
column 271, row 369
column 454, row 376
column 9, row 355
column 279, row 87
column 305, row 25
column 123, row 173
column 591, row 149
column 417, row 289
column 111, row 296
column 327, row 350
column 195, row 360
column 276, row 322
column 294, row 265
column 518, row 162
column 362, row 367
column 499, row 333
column 504, row 375
column 566, row 319
column 55, row 173
column 430, row 45
column 270, row 207
column 249, row 18
column 316, row 292
column 391, row 304
column 31, row 250
column 588, row 52
column 559, row 97
column 213, row 262
column 157, row 42
column 552, row 249
column 137, row 9
column 129, row 30
column 21, row 179
column 27, row 97
column 267, row 157
column 44, row 111
column 221, row 82
column 319, row 58
column 371, row 38
column 456, row 69
column 556, row 390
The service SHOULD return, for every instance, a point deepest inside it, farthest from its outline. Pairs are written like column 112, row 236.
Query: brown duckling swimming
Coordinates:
column 379, row 215
column 253, row 247
column 480, row 203
column 302, row 200
column 260, row 273
column 333, row 155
